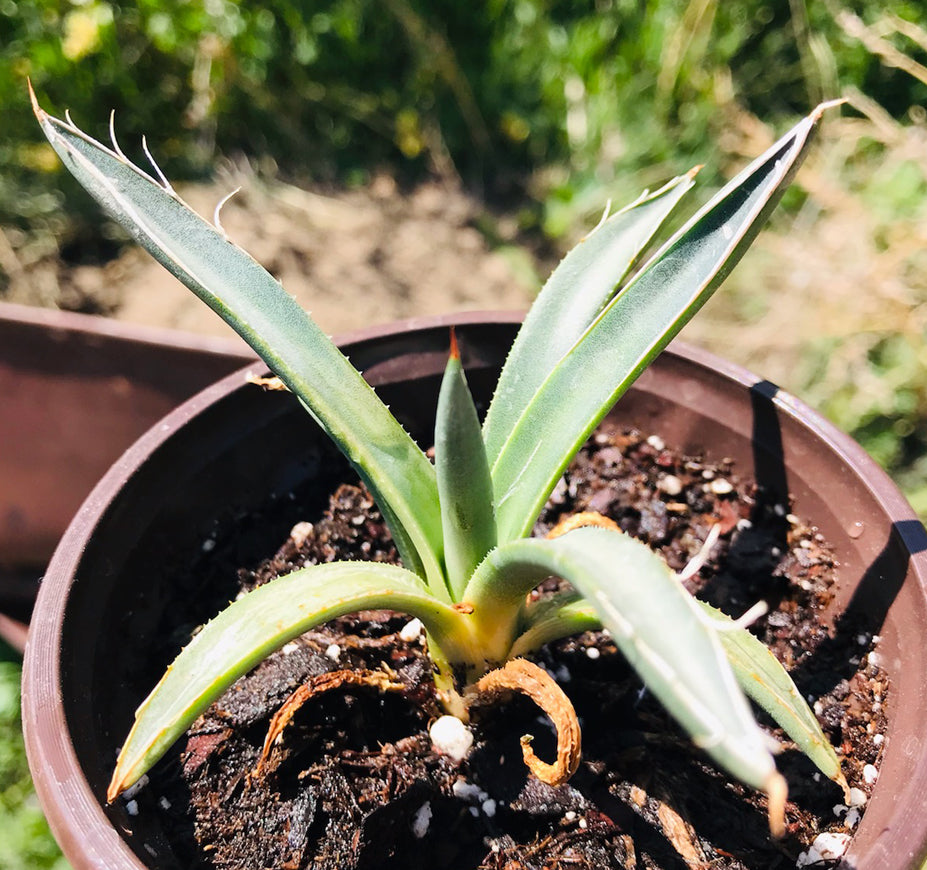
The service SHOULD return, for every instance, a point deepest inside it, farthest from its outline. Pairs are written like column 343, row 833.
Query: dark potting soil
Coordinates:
column 353, row 781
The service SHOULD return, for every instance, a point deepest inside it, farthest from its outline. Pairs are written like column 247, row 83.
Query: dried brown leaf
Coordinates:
column 520, row 675
column 584, row 518
column 317, row 685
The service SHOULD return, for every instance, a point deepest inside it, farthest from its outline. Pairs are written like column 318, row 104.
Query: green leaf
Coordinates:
column 251, row 628
column 626, row 337
column 464, row 484
column 571, row 299
column 764, row 679
column 657, row 626
column 545, row 620
column 283, row 335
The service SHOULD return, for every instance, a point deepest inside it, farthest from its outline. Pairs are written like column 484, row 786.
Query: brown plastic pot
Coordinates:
column 77, row 391
column 231, row 446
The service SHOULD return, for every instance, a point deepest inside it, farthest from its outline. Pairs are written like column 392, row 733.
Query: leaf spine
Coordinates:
column 164, row 182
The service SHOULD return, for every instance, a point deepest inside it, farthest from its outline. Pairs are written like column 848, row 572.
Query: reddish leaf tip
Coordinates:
column 36, row 108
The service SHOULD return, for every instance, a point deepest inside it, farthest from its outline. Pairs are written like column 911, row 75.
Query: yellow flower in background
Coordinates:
column 82, row 29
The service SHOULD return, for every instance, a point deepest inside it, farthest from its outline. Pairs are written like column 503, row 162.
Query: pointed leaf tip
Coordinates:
column 455, row 349
column 37, row 110
column 821, row 108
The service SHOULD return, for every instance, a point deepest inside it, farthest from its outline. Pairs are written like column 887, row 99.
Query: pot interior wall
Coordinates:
column 227, row 470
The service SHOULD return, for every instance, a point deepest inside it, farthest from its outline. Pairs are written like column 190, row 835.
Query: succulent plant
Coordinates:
column 462, row 523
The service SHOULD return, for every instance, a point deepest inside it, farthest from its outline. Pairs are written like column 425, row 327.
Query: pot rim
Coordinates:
column 74, row 814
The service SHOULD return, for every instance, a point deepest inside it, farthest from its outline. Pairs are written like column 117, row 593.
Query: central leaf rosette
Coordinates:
column 461, row 524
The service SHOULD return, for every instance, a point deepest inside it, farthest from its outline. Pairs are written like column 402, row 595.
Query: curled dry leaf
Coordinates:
column 520, row 675
column 316, row 686
column 777, row 793
column 272, row 383
column 583, row 518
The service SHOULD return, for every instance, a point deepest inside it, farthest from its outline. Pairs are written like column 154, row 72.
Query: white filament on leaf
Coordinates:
column 112, row 135
column 608, row 208
column 215, row 216
column 161, row 175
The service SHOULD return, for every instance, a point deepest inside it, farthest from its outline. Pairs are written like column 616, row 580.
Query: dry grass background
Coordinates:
column 831, row 303
column 845, row 270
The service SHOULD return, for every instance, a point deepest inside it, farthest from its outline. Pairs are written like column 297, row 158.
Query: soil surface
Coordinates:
column 354, row 782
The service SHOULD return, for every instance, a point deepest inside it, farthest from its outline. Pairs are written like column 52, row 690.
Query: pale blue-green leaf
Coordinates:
column 284, row 336
column 758, row 672
column 571, row 299
column 764, row 679
column 656, row 625
column 634, row 327
column 464, row 484
column 251, row 628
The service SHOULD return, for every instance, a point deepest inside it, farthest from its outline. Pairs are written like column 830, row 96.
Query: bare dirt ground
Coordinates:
column 352, row 257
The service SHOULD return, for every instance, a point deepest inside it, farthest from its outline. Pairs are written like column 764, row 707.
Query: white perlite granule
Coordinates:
column 473, row 794
column 133, row 790
column 468, row 791
column 826, row 847
column 670, row 484
column 411, row 631
column 852, row 811
column 857, row 797
column 300, row 533
column 451, row 737
column 421, row 821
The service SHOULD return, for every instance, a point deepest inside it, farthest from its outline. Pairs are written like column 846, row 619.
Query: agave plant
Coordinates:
column 461, row 524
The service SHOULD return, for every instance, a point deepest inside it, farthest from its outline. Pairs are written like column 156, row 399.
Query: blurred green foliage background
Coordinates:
column 545, row 108
column 25, row 841
column 598, row 90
